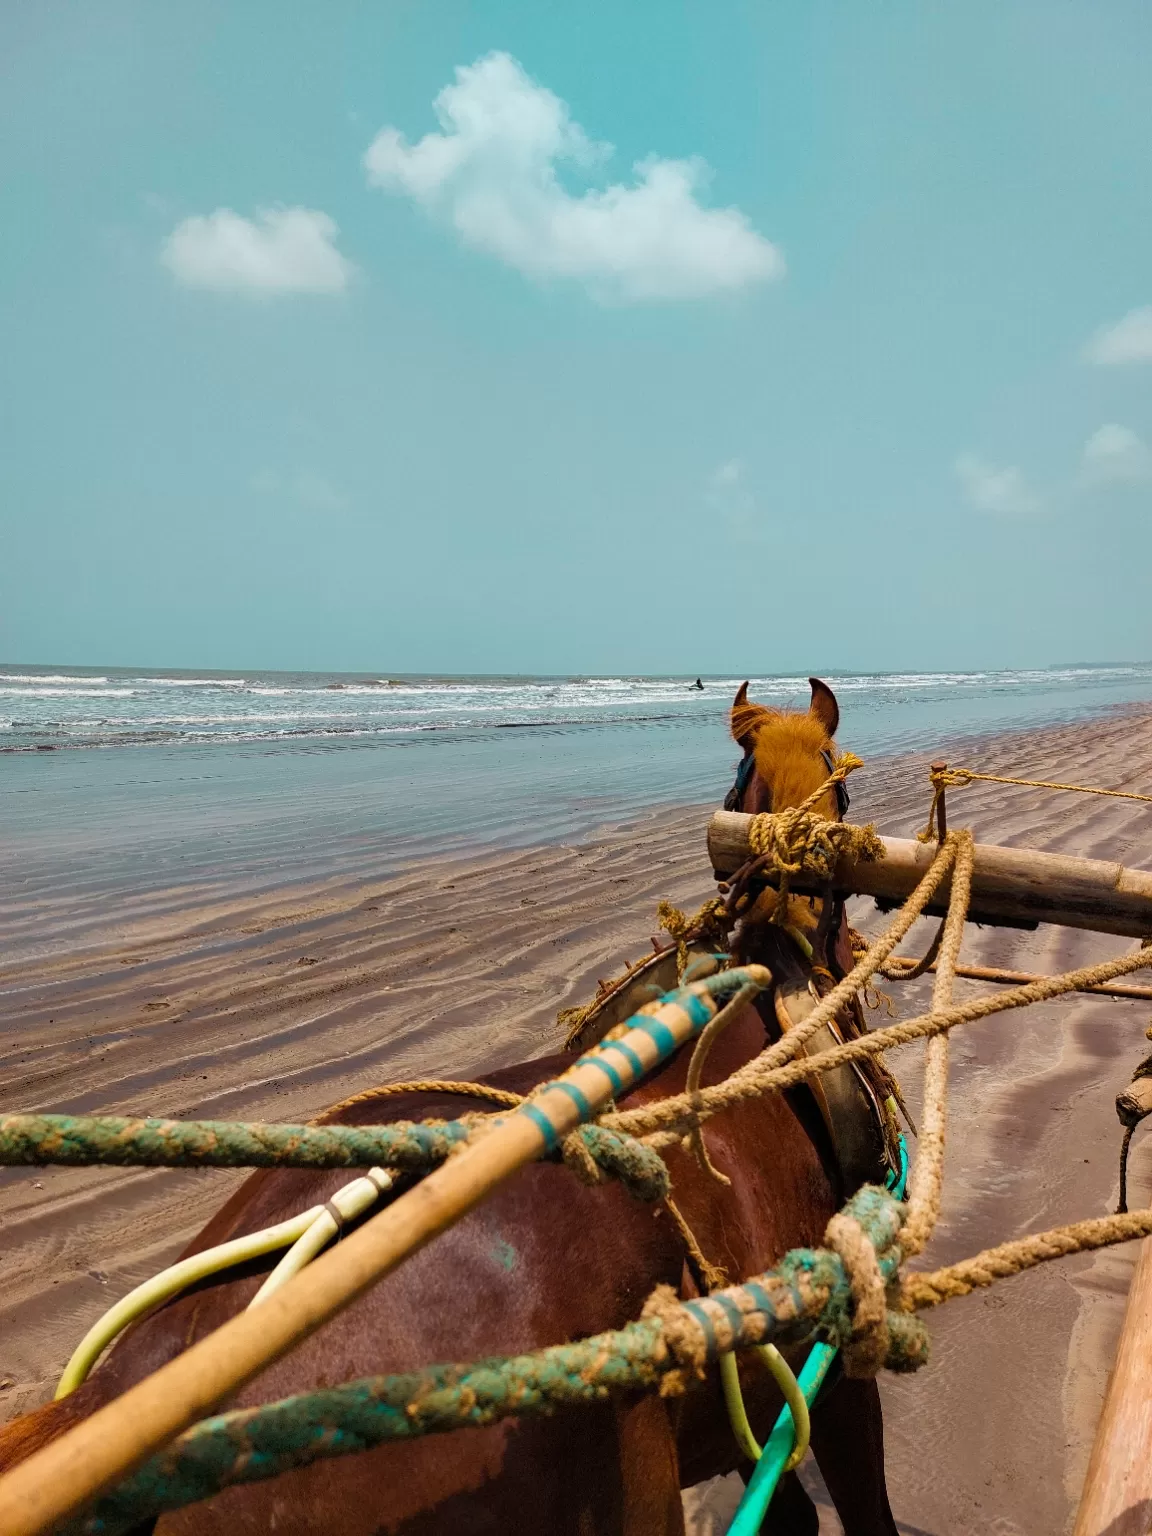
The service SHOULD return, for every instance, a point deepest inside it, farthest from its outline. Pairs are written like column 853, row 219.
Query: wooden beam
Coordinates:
column 1005, row 978
column 1013, row 886
column 1117, row 1497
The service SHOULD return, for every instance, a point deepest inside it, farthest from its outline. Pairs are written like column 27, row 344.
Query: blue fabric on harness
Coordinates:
column 748, row 766
column 745, row 771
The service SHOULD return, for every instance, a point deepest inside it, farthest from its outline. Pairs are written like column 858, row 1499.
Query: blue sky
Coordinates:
column 713, row 337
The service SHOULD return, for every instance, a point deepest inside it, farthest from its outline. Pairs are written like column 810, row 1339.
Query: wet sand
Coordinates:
column 197, row 1001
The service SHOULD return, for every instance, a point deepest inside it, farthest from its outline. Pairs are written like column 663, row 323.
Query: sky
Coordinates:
column 716, row 337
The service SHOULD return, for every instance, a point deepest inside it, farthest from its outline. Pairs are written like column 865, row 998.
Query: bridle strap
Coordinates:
column 735, row 795
column 842, row 800
column 743, row 774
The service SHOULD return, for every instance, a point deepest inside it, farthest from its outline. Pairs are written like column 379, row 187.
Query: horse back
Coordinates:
column 545, row 1259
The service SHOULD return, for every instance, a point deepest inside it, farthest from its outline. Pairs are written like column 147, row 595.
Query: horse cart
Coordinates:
column 694, row 1229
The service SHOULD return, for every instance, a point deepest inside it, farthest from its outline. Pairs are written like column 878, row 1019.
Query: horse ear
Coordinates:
column 824, row 707
column 738, row 718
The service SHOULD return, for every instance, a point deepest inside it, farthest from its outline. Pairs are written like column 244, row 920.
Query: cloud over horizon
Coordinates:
column 990, row 489
column 727, row 495
column 281, row 251
column 304, row 486
column 492, row 173
column 1115, row 455
column 1128, row 341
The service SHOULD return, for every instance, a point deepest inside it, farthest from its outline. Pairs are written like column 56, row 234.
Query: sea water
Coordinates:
column 128, row 779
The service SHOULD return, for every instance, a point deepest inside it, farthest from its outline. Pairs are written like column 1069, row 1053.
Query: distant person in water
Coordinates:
column 698, row 684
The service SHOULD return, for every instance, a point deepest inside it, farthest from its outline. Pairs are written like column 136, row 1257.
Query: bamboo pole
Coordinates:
column 67, row 1474
column 1005, row 978
column 1009, row 885
column 1117, row 1497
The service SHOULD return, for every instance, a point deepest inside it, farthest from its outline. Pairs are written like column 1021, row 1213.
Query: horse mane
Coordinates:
column 788, row 746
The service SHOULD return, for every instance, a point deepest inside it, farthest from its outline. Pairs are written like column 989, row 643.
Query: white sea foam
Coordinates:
column 68, row 693
column 191, row 682
column 46, row 677
column 55, row 709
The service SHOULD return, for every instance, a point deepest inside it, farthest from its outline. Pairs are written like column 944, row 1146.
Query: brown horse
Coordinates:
column 543, row 1260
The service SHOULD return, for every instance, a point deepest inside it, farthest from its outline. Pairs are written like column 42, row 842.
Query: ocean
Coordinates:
column 133, row 781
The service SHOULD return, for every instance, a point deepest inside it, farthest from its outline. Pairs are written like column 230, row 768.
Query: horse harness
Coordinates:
column 735, row 796
column 851, row 1100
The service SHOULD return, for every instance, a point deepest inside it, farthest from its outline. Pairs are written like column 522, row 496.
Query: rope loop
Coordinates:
column 789, row 843
column 866, row 1347
column 595, row 1154
column 943, row 777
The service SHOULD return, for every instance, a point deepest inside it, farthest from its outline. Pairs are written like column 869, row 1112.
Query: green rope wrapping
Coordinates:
column 412, row 1146
column 806, row 1296
column 641, row 1170
column 82, row 1139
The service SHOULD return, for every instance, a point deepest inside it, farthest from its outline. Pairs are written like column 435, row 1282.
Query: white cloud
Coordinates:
column 1128, row 341
column 306, row 487
column 282, row 250
column 728, row 496
column 1115, row 455
column 492, row 172
column 989, row 489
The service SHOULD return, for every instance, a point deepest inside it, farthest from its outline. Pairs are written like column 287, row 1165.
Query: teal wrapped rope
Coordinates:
column 808, row 1295
column 411, row 1146
column 77, row 1140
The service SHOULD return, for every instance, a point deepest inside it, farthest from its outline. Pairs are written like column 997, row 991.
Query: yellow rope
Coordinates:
column 715, row 1276
column 920, row 1290
column 711, row 921
column 800, row 842
column 423, row 1085
column 959, row 777
column 944, row 777
column 928, row 1171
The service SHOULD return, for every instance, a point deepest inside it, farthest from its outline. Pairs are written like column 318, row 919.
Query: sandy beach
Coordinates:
column 198, row 1001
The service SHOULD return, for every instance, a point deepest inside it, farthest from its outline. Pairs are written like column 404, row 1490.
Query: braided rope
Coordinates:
column 665, row 1122
column 943, row 777
column 919, row 1290
column 421, row 1085
column 928, row 1173
column 122, row 1140
column 594, row 1151
column 959, row 778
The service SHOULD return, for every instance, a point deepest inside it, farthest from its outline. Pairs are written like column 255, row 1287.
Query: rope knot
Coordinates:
column 711, row 922
column 866, row 1347
column 798, row 841
column 682, row 1336
column 863, row 1236
column 594, row 1154
column 942, row 777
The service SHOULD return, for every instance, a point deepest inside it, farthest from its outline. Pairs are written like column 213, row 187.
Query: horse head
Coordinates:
column 788, row 754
